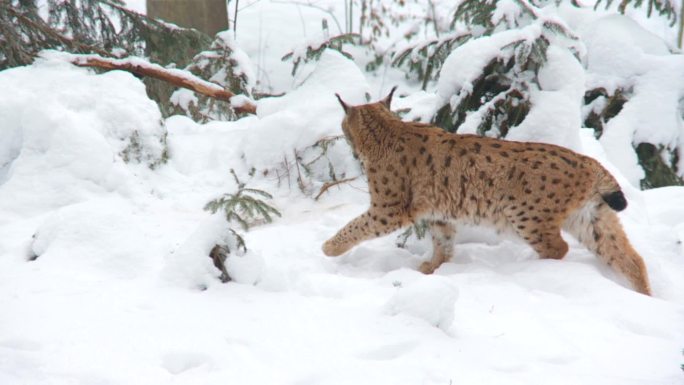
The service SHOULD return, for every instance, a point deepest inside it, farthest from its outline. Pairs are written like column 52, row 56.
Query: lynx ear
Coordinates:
column 344, row 105
column 387, row 101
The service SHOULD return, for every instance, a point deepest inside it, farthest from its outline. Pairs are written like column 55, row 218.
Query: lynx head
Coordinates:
column 353, row 124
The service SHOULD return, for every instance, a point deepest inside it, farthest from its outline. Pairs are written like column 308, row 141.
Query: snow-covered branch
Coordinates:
column 179, row 78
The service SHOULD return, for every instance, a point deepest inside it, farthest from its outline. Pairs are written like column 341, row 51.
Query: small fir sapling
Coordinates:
column 245, row 208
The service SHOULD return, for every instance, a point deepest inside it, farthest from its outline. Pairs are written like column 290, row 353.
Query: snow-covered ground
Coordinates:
column 105, row 278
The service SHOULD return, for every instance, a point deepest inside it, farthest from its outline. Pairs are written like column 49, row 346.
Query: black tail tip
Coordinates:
column 616, row 200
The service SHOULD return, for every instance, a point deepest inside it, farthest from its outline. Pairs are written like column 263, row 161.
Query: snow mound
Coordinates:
column 306, row 114
column 189, row 264
column 614, row 41
column 116, row 101
column 69, row 133
column 97, row 237
column 430, row 298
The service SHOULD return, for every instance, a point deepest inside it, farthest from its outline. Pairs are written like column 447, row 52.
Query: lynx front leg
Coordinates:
column 442, row 246
column 371, row 224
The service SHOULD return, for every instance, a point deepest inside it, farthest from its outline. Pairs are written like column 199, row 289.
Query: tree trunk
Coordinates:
column 681, row 26
column 208, row 16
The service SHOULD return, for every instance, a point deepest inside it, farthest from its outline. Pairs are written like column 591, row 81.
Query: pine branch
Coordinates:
column 176, row 77
column 41, row 32
column 313, row 50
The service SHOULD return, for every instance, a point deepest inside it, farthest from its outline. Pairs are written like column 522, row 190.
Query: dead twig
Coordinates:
column 330, row 184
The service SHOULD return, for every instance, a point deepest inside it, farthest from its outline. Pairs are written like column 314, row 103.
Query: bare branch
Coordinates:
column 176, row 77
column 328, row 185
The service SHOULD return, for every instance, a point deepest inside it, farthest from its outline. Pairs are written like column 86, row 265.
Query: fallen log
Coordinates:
column 179, row 78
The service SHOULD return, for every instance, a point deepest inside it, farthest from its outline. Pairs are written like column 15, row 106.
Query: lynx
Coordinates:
column 420, row 172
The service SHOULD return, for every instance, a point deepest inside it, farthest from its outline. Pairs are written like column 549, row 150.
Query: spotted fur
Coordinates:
column 417, row 171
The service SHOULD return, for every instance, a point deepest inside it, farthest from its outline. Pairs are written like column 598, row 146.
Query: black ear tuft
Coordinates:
column 344, row 105
column 387, row 101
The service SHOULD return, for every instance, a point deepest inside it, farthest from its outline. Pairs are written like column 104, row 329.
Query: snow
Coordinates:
column 240, row 61
column 139, row 6
column 615, row 53
column 556, row 111
column 105, row 276
column 67, row 125
column 238, row 101
column 622, row 54
column 305, row 114
column 555, row 114
column 431, row 299
column 506, row 10
column 183, row 98
column 267, row 30
column 464, row 63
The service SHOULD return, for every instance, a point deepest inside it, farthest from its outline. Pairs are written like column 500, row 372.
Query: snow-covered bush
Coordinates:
column 244, row 207
column 203, row 256
column 633, row 102
column 521, row 71
column 295, row 139
column 488, row 85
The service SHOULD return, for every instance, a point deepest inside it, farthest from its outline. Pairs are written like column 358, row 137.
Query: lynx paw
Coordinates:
column 427, row 267
column 332, row 249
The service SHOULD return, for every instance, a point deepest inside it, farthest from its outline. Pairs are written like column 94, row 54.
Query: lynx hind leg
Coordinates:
column 550, row 244
column 599, row 229
column 371, row 224
column 542, row 233
column 442, row 246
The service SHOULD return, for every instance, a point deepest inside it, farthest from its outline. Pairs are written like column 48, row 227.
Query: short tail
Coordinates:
column 610, row 192
column 616, row 200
